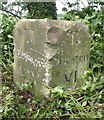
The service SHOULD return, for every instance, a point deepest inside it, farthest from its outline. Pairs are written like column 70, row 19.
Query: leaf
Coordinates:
column 93, row 86
column 99, row 114
column 58, row 89
column 87, row 85
column 10, row 36
column 21, row 109
column 97, row 65
column 84, row 103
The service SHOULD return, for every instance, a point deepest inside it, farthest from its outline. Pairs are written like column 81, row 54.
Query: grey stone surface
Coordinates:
column 50, row 53
column 0, row 48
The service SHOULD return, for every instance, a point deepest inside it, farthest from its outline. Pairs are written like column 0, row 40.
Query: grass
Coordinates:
column 85, row 101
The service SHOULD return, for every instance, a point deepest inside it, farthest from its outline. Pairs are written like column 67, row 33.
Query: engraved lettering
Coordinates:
column 60, row 58
column 75, row 76
column 66, row 77
column 80, row 58
column 72, row 73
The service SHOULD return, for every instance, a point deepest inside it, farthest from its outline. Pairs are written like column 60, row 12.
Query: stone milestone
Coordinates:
column 48, row 53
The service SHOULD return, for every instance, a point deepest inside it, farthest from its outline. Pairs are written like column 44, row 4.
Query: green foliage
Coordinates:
column 10, row 8
column 6, row 35
column 84, row 102
column 41, row 10
column 94, row 18
column 32, row 10
column 9, row 103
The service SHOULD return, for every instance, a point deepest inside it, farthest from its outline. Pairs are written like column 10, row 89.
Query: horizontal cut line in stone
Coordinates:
column 38, row 52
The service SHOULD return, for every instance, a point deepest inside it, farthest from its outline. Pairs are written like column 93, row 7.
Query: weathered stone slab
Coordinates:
column 0, row 47
column 50, row 53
